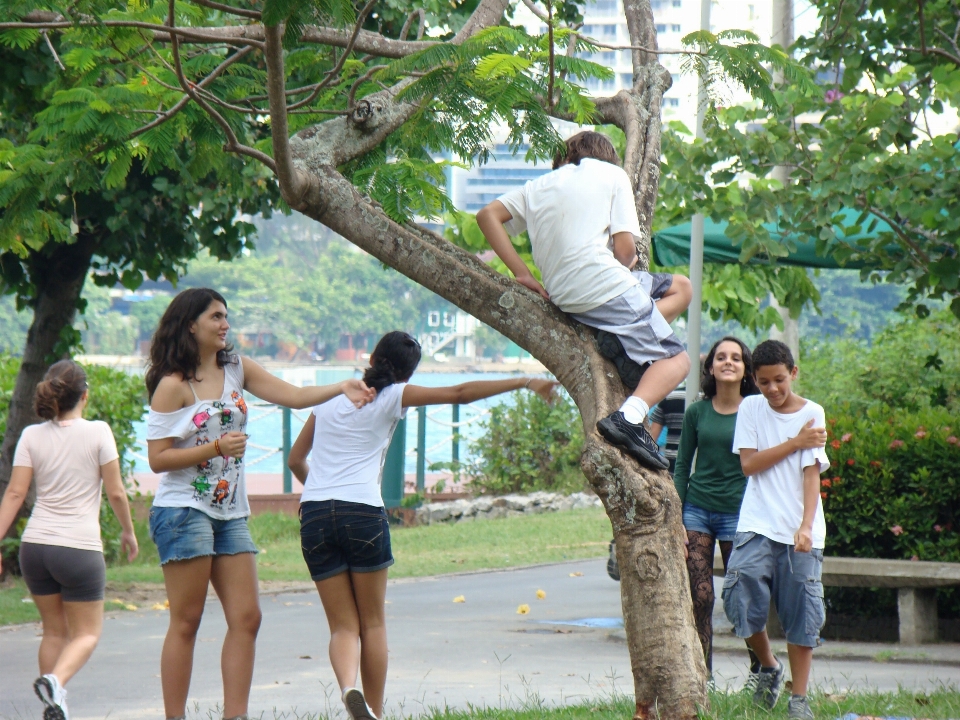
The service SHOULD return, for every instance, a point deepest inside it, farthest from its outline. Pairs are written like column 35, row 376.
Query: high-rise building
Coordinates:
column 604, row 21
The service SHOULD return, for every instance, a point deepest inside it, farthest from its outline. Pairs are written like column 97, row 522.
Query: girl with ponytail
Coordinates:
column 344, row 532
column 61, row 554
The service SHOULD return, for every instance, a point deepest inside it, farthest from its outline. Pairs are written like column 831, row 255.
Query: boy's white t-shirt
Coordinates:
column 571, row 215
column 350, row 446
column 773, row 502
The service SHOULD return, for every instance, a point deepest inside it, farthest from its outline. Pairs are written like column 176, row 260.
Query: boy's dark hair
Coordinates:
column 587, row 144
column 393, row 360
column 708, row 383
column 772, row 352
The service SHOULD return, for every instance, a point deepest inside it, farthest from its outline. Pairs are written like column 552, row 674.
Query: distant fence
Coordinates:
column 394, row 472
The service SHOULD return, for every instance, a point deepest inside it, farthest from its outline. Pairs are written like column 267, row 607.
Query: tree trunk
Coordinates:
column 58, row 272
column 666, row 656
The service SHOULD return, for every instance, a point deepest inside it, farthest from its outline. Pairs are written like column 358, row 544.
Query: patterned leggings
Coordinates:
column 700, row 568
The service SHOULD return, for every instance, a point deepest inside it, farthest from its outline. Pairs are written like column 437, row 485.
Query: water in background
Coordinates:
column 266, row 423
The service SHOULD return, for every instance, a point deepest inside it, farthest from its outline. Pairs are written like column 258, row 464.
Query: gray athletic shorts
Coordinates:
column 654, row 284
column 633, row 317
column 77, row 575
column 761, row 569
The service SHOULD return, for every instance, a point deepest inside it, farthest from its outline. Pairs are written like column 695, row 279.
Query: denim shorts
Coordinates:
column 336, row 536
column 761, row 569
column 184, row 533
column 720, row 525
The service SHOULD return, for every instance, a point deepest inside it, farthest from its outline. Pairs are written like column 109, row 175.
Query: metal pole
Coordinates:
column 694, row 314
column 455, row 450
column 421, row 449
column 782, row 34
column 287, row 475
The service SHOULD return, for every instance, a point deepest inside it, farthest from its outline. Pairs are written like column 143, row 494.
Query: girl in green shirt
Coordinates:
column 711, row 495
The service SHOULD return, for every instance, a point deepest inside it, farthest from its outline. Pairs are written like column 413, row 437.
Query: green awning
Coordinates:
column 671, row 246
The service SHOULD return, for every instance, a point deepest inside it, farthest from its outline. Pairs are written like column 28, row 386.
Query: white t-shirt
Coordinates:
column 571, row 215
column 773, row 502
column 217, row 486
column 350, row 446
column 66, row 458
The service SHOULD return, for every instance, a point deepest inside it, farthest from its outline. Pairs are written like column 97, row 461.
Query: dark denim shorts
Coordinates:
column 336, row 536
column 184, row 533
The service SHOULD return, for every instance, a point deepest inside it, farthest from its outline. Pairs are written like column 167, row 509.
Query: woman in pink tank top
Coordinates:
column 61, row 555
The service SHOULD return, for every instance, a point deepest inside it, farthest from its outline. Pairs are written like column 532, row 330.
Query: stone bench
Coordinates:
column 916, row 583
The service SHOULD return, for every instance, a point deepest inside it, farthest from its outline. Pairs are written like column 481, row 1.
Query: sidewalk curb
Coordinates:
column 892, row 656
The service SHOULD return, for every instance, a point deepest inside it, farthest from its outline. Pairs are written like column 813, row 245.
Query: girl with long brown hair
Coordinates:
column 196, row 437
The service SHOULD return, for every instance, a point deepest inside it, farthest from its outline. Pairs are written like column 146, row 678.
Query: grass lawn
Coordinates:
column 941, row 705
column 419, row 551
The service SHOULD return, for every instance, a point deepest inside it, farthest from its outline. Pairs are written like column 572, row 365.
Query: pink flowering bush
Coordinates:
column 899, row 489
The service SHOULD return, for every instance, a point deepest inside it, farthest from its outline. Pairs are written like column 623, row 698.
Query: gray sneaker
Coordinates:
column 769, row 687
column 750, row 686
column 799, row 708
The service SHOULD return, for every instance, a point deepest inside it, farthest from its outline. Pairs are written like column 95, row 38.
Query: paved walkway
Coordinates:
column 479, row 652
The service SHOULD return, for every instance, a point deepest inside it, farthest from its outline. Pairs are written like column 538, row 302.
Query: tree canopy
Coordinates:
column 881, row 139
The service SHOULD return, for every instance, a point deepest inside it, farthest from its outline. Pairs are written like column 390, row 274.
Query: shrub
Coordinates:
column 116, row 398
column 528, row 446
column 892, row 490
column 910, row 366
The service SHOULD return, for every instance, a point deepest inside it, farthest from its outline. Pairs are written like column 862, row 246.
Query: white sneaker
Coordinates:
column 54, row 697
column 355, row 704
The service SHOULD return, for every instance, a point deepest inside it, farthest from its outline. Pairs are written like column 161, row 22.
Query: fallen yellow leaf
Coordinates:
column 541, row 594
column 523, row 609
column 130, row 606
column 166, row 604
column 576, row 574
column 459, row 598
column 158, row 606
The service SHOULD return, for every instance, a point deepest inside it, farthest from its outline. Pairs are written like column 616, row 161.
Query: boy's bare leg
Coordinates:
column 676, row 299
column 801, row 658
column 760, row 644
column 661, row 378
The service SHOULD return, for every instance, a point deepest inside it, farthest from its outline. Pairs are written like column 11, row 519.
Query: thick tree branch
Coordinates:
column 292, row 185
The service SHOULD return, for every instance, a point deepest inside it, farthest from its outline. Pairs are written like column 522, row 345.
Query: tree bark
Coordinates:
column 666, row 657
column 58, row 272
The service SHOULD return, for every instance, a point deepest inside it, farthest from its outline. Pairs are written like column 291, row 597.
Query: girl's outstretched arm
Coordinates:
column 274, row 390
column 297, row 459
column 416, row 395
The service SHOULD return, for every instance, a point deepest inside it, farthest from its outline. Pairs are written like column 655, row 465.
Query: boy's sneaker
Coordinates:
column 613, row 567
column 356, row 705
column 753, row 679
column 53, row 696
column 611, row 348
column 799, row 708
column 634, row 439
column 769, row 687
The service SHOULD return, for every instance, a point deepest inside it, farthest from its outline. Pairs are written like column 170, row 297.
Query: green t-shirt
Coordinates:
column 718, row 482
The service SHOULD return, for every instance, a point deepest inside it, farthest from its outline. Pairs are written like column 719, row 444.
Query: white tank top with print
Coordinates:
column 218, row 486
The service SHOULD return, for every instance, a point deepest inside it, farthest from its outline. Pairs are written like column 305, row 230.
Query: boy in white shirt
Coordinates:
column 778, row 550
column 582, row 222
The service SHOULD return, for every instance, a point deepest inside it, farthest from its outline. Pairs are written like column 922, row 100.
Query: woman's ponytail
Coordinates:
column 393, row 360
column 61, row 389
